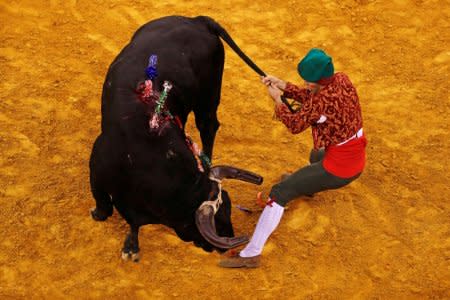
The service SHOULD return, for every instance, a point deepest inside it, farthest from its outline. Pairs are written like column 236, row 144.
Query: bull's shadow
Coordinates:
column 142, row 163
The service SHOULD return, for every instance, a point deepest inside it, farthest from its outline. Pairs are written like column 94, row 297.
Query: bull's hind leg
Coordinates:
column 131, row 245
column 208, row 125
column 98, row 175
column 206, row 110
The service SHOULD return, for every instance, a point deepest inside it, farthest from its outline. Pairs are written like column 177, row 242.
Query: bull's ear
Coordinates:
column 204, row 219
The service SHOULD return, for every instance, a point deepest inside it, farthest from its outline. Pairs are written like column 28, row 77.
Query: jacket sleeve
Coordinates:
column 294, row 92
column 300, row 120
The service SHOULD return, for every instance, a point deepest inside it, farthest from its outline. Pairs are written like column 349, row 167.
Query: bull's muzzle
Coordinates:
column 204, row 216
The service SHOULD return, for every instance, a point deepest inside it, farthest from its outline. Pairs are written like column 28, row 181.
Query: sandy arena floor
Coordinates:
column 386, row 236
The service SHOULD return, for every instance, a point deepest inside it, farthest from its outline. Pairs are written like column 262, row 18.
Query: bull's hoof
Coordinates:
column 134, row 257
column 98, row 215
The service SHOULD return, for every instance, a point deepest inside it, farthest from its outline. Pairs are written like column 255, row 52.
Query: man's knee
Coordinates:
column 277, row 194
column 316, row 155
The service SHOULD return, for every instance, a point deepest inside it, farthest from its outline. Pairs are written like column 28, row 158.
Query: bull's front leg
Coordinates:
column 103, row 206
column 131, row 245
column 98, row 172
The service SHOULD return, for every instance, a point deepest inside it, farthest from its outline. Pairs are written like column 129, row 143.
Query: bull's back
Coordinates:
column 184, row 47
column 189, row 56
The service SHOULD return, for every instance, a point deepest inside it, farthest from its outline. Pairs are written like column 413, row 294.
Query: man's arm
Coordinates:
column 297, row 93
column 295, row 122
column 290, row 90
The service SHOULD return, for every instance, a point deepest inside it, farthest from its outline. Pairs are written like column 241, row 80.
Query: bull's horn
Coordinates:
column 220, row 172
column 204, row 219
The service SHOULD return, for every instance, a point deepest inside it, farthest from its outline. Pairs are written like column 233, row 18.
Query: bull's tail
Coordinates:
column 217, row 29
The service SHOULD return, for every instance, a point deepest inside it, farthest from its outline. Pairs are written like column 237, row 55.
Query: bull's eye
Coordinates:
column 170, row 154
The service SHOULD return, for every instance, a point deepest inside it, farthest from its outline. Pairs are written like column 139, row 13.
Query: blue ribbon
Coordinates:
column 151, row 71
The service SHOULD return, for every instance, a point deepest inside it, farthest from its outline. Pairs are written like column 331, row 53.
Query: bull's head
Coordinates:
column 205, row 214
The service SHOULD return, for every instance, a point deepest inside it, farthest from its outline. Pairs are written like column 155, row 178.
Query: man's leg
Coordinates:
column 302, row 182
column 308, row 180
column 314, row 156
column 268, row 221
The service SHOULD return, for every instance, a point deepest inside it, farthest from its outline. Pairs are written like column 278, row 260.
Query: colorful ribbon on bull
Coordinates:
column 201, row 158
column 151, row 70
column 157, row 119
column 146, row 94
column 145, row 89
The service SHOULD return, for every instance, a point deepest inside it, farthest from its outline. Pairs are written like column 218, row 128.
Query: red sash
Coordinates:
column 346, row 160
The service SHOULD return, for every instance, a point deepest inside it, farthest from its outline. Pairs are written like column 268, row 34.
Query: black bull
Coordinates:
column 153, row 178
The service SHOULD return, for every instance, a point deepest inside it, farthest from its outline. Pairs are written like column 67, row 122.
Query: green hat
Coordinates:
column 315, row 66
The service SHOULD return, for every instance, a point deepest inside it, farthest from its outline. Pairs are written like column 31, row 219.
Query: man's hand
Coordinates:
column 273, row 81
column 275, row 93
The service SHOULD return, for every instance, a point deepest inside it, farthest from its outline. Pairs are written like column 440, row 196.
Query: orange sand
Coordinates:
column 386, row 235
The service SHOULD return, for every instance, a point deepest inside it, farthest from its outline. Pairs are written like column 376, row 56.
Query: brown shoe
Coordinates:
column 236, row 261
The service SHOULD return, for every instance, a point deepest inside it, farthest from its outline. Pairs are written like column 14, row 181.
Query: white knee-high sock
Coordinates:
column 268, row 221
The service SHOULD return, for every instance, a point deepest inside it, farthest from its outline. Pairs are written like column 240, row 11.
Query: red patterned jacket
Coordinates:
column 335, row 116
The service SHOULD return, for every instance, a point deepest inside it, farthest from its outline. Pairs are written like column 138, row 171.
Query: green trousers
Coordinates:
column 308, row 181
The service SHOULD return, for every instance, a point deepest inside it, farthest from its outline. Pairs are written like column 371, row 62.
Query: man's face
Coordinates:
column 312, row 86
